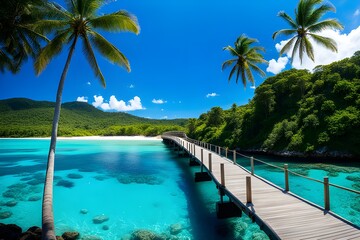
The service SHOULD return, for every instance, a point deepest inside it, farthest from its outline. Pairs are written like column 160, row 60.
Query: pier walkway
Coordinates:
column 281, row 214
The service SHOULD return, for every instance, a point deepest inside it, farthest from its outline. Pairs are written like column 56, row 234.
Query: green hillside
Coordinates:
column 295, row 112
column 21, row 117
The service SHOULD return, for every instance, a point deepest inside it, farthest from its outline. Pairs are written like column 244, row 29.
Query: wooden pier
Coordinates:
column 281, row 214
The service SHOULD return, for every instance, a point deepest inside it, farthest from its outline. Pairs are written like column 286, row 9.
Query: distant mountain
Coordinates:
column 21, row 117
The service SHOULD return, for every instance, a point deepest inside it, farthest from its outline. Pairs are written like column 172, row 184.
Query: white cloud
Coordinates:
column 357, row 12
column 277, row 66
column 158, row 101
column 212, row 95
column 253, row 87
column 82, row 99
column 88, row 83
column 118, row 105
column 165, row 117
column 347, row 45
column 98, row 101
column 131, row 86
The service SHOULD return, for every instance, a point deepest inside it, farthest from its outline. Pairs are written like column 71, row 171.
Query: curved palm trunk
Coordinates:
column 48, row 227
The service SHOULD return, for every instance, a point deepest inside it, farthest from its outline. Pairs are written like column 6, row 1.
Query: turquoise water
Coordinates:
column 135, row 184
column 343, row 203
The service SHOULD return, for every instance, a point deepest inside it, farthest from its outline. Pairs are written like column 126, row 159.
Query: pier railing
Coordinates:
column 232, row 155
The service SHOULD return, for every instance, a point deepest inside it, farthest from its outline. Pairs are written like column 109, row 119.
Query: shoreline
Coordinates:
column 120, row 138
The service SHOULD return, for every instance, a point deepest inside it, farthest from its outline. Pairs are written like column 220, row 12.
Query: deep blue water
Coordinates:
column 135, row 184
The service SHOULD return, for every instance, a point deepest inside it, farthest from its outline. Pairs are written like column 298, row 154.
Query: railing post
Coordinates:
column 248, row 189
column 286, row 171
column 210, row 163
column 202, row 159
column 326, row 193
column 194, row 151
column 226, row 152
column 252, row 165
column 234, row 156
column 219, row 150
column 222, row 174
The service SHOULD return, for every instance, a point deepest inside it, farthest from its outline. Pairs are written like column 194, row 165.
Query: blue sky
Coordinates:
column 176, row 59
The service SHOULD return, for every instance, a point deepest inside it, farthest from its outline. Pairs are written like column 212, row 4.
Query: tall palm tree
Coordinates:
column 305, row 26
column 18, row 40
column 246, row 59
column 79, row 22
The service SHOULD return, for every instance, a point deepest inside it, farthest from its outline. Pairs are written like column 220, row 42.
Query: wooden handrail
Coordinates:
column 217, row 150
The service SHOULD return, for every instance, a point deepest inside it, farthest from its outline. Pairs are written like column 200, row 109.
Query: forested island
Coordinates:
column 295, row 113
column 20, row 117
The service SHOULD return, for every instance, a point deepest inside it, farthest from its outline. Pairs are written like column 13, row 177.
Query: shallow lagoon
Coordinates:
column 343, row 203
column 135, row 184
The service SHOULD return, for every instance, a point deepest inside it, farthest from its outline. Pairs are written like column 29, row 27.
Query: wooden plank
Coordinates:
column 287, row 216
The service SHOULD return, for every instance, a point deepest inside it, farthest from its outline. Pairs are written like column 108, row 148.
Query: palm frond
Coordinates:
column 249, row 74
column 304, row 11
column 50, row 51
column 324, row 41
column 227, row 64
column 47, row 25
column 232, row 73
column 118, row 21
column 89, row 53
column 243, row 76
column 90, row 7
column 309, row 49
column 328, row 23
column 71, row 5
column 288, row 19
column 232, row 51
column 318, row 13
column 29, row 44
column 257, row 69
column 285, row 32
column 108, row 50
column 288, row 45
column 55, row 11
column 6, row 63
column 295, row 48
column 301, row 48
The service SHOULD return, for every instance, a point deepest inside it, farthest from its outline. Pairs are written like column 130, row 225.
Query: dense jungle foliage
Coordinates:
column 21, row 117
column 314, row 113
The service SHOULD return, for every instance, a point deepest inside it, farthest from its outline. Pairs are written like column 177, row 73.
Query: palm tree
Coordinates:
column 77, row 23
column 246, row 59
column 305, row 26
column 18, row 40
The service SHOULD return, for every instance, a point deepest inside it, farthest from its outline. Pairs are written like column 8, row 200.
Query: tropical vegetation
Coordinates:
column 78, row 22
column 307, row 23
column 246, row 58
column 294, row 112
column 21, row 117
column 18, row 39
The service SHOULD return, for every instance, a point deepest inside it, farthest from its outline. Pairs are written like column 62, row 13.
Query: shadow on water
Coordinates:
column 202, row 213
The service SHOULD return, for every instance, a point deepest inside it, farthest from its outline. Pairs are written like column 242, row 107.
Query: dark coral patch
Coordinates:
column 74, row 176
column 65, row 183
